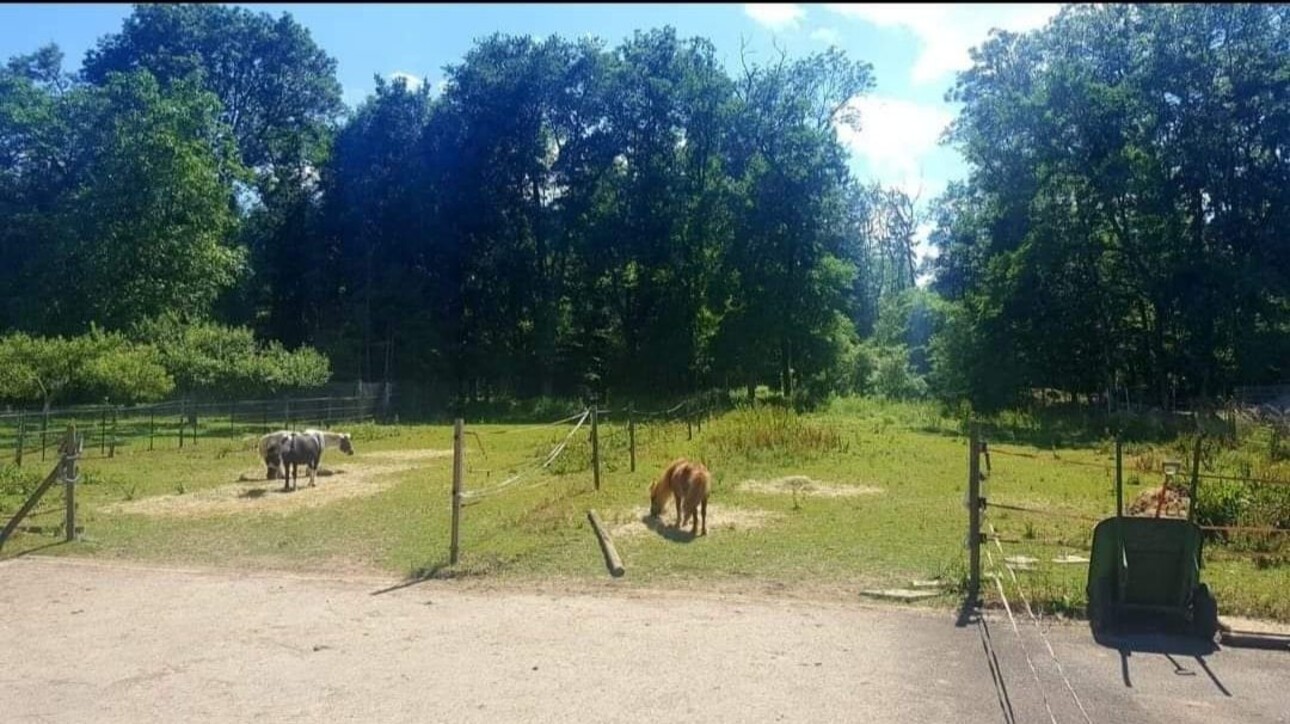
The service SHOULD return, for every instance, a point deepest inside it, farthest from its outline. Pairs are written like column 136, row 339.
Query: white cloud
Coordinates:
column 775, row 16
column 895, row 137
column 826, row 35
column 414, row 81
column 947, row 31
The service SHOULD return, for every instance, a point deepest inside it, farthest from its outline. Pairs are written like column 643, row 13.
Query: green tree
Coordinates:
column 1117, row 231
column 207, row 358
column 149, row 225
column 277, row 89
column 94, row 366
column 787, row 262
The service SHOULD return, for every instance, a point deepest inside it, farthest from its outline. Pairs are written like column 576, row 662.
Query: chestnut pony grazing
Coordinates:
column 689, row 484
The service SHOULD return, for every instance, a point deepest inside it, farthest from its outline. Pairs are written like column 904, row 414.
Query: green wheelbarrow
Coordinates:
column 1149, row 566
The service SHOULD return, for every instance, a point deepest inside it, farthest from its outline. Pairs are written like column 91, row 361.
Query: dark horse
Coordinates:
column 292, row 450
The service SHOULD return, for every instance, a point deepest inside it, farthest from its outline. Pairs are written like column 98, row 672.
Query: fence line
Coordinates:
column 65, row 472
column 550, row 458
column 516, row 482
column 110, row 427
column 1037, row 511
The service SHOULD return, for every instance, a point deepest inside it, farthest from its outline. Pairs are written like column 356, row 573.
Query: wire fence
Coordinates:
column 112, row 429
column 610, row 432
column 1010, row 492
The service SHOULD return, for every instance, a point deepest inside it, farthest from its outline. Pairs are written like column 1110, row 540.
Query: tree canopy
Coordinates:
column 565, row 216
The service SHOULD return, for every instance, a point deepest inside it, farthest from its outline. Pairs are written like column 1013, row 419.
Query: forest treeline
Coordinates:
column 562, row 215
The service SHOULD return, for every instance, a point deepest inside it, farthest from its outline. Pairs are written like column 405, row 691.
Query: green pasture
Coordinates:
column 862, row 495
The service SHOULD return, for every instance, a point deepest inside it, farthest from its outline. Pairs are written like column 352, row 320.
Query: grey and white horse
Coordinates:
column 274, row 470
column 296, row 448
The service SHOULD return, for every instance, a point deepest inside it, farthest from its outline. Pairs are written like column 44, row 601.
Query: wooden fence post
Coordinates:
column 1195, row 480
column 22, row 430
column 44, row 428
column 631, row 433
column 1119, row 482
column 974, row 514
column 194, row 418
column 595, row 445
column 181, row 429
column 112, row 445
column 458, row 453
column 70, row 452
column 102, row 432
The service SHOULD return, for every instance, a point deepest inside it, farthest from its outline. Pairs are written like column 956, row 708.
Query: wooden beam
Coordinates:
column 606, row 545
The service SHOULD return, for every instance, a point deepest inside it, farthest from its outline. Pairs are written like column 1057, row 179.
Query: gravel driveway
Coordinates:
column 88, row 641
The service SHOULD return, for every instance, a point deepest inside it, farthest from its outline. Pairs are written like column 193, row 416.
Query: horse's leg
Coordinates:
column 703, row 506
column 677, row 497
column 313, row 471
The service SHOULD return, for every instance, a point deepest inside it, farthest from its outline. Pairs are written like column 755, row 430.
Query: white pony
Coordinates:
column 273, row 468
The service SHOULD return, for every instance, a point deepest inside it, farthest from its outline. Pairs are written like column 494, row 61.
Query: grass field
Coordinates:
column 864, row 494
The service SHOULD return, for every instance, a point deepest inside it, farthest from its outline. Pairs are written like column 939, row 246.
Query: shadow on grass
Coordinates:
column 36, row 549
column 672, row 533
column 441, row 570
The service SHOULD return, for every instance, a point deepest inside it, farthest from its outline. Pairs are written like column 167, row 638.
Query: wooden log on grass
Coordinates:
column 606, row 545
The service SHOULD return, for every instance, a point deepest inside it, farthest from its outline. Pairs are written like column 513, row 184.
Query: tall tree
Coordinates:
column 277, row 89
column 1128, row 175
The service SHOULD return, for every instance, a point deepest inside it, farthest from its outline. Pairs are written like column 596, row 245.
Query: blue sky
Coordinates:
column 914, row 49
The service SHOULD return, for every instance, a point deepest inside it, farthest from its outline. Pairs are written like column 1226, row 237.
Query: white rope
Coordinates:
column 503, row 431
column 550, row 458
column 1034, row 619
column 1025, row 652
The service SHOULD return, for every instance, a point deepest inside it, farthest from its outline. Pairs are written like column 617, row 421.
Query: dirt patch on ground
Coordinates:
column 803, row 485
column 360, row 476
column 636, row 522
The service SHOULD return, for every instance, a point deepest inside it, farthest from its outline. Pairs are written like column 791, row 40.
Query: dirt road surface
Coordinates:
column 87, row 641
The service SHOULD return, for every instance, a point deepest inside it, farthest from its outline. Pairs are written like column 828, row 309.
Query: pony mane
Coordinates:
column 661, row 489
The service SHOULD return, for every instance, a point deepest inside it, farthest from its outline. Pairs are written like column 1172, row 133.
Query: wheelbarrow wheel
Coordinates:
column 1204, row 613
